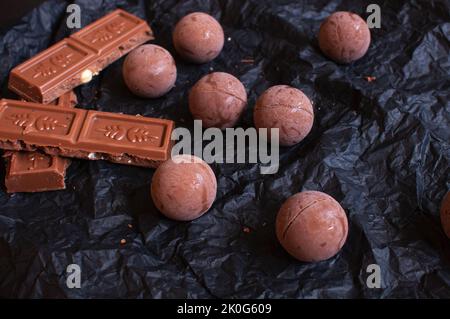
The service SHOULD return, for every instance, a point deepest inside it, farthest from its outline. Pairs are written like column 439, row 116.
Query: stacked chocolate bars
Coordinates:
column 40, row 134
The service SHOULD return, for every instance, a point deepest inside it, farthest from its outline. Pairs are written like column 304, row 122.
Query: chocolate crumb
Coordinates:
column 248, row 61
column 370, row 78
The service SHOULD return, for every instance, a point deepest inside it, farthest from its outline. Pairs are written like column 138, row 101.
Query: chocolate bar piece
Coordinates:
column 35, row 171
column 74, row 60
column 119, row 138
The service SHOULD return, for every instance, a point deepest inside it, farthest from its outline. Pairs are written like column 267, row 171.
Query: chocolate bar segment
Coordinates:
column 120, row 138
column 52, row 72
column 74, row 60
column 35, row 171
column 117, row 31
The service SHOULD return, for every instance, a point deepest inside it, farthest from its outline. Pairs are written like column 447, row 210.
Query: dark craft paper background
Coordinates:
column 381, row 149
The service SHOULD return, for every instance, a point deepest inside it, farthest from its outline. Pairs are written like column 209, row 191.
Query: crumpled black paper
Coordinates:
column 381, row 148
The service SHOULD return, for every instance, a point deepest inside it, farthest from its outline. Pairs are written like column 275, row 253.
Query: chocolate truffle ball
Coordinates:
column 445, row 214
column 184, row 187
column 149, row 71
column 311, row 226
column 217, row 99
column 287, row 109
column 198, row 37
column 344, row 37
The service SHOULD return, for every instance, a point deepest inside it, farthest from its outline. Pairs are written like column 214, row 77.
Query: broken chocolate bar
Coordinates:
column 74, row 60
column 35, row 171
column 119, row 138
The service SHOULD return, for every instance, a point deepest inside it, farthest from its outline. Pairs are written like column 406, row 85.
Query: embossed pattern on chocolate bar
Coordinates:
column 121, row 138
column 109, row 31
column 19, row 118
column 57, row 59
column 35, row 171
column 32, row 161
column 130, row 135
column 74, row 60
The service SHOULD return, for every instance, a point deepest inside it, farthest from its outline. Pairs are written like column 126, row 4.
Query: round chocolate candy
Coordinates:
column 149, row 71
column 311, row 226
column 344, row 37
column 198, row 37
column 184, row 187
column 287, row 109
column 217, row 99
column 445, row 214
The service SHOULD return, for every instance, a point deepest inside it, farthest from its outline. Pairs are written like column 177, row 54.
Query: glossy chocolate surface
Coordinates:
column 218, row 99
column 35, row 171
column 149, row 71
column 128, row 139
column 286, row 108
column 74, row 60
column 311, row 226
column 344, row 37
column 198, row 37
column 184, row 188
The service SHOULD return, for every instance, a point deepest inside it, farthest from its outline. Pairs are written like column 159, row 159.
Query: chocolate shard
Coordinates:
column 119, row 138
column 34, row 171
column 76, row 59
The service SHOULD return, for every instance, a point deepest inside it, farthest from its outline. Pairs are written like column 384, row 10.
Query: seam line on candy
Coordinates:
column 282, row 105
column 298, row 214
column 224, row 92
